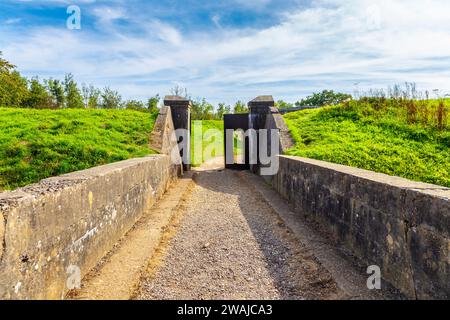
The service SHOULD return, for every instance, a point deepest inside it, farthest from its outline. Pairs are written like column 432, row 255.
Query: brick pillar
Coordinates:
column 181, row 115
column 260, row 108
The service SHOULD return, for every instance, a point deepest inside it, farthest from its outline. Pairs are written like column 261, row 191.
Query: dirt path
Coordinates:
column 230, row 244
column 117, row 276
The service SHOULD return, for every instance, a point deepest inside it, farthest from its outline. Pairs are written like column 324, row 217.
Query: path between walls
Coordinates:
column 223, row 235
column 230, row 244
column 117, row 276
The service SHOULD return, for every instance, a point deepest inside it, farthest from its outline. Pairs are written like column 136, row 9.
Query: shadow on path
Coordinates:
column 295, row 271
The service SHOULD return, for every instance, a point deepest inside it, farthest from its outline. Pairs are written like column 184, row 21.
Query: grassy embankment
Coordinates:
column 405, row 138
column 36, row 144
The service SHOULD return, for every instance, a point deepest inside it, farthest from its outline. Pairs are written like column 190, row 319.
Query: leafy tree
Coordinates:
column 13, row 90
column 208, row 111
column 111, row 99
column 5, row 66
column 38, row 97
column 202, row 110
column 222, row 110
column 91, row 96
column 280, row 104
column 56, row 90
column 196, row 110
column 152, row 103
column 74, row 99
column 240, row 107
column 326, row 97
column 135, row 105
column 13, row 87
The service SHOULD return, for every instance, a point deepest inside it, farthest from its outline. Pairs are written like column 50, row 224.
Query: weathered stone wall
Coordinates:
column 60, row 228
column 54, row 232
column 275, row 121
column 400, row 225
column 164, row 140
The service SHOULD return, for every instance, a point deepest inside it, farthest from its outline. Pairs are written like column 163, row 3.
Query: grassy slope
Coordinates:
column 382, row 141
column 206, row 126
column 36, row 144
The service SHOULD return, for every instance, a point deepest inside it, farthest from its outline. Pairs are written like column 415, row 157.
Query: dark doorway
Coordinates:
column 237, row 123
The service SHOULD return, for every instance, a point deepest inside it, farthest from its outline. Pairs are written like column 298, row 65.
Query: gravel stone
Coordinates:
column 231, row 244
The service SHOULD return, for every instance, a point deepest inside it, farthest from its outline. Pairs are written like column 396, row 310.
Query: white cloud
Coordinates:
column 12, row 21
column 331, row 44
column 216, row 20
column 107, row 14
column 253, row 4
column 166, row 33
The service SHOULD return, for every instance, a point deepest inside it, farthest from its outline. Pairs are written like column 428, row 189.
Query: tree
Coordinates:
column 240, row 107
column 5, row 66
column 326, row 97
column 74, row 99
column 13, row 87
column 222, row 110
column 110, row 99
column 38, row 97
column 152, row 103
column 13, row 90
column 202, row 110
column 280, row 104
column 208, row 111
column 135, row 105
column 91, row 96
column 56, row 90
column 179, row 91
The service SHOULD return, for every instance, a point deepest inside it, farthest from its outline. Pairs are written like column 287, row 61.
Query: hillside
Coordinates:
column 410, row 139
column 36, row 144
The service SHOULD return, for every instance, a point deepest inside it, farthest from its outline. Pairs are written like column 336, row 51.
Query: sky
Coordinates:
column 232, row 50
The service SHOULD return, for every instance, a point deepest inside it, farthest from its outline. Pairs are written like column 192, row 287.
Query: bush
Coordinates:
column 324, row 98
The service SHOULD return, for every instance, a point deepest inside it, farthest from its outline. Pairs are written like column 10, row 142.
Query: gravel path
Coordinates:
column 230, row 244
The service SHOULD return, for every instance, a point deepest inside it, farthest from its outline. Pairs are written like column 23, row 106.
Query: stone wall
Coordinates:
column 400, row 225
column 54, row 232
column 164, row 140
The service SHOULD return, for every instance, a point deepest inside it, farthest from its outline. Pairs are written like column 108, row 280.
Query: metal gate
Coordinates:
column 236, row 122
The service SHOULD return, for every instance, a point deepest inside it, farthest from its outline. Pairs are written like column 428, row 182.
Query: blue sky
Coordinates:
column 232, row 50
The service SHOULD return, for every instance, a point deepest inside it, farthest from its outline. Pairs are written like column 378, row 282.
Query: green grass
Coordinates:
column 36, row 144
column 387, row 138
column 207, row 125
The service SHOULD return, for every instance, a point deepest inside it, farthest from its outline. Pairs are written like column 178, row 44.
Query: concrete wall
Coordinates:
column 164, row 140
column 295, row 109
column 54, row 232
column 400, row 225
